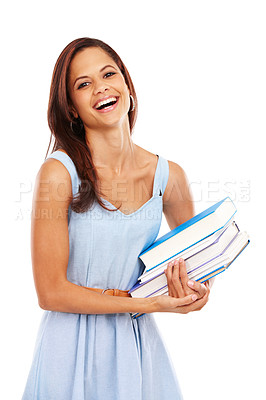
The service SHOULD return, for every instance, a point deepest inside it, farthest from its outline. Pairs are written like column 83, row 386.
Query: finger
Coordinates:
column 185, row 301
column 178, row 288
column 207, row 283
column 200, row 303
column 198, row 287
column 184, row 277
column 168, row 273
column 195, row 306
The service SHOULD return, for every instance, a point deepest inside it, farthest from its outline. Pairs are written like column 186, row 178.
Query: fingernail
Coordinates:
column 181, row 260
column 190, row 283
column 176, row 262
column 194, row 297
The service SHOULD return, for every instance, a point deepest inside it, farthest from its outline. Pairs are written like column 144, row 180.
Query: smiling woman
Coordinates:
column 83, row 64
column 85, row 255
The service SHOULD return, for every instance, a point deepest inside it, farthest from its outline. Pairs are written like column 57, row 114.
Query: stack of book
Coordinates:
column 208, row 242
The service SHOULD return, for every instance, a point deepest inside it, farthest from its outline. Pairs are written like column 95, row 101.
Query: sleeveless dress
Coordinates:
column 104, row 356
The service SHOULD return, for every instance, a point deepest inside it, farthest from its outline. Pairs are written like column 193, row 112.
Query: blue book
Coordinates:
column 191, row 233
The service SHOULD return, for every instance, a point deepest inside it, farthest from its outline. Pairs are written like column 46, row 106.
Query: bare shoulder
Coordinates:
column 53, row 181
column 177, row 184
column 54, row 169
column 178, row 205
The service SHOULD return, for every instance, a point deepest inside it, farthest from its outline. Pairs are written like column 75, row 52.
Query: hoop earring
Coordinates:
column 71, row 126
column 133, row 101
column 78, row 124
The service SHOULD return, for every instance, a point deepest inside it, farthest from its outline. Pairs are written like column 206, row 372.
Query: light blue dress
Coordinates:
column 104, row 356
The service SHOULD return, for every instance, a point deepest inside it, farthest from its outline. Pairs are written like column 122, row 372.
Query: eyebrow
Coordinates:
column 86, row 76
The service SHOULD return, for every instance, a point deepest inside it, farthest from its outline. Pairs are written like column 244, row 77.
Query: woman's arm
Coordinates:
column 178, row 206
column 50, row 253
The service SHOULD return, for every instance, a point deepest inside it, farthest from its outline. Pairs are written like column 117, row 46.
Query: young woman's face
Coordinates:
column 93, row 77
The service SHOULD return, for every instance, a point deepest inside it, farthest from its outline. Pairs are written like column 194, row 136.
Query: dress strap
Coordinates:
column 161, row 176
column 70, row 166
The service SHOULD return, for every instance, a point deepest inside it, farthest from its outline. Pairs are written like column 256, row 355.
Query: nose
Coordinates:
column 100, row 87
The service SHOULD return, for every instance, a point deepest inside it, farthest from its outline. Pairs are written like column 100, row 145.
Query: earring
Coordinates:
column 78, row 125
column 71, row 126
column 133, row 101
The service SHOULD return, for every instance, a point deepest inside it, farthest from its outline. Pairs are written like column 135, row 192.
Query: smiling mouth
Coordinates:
column 111, row 103
column 108, row 106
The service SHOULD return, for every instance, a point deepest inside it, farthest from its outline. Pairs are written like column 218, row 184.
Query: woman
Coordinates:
column 88, row 345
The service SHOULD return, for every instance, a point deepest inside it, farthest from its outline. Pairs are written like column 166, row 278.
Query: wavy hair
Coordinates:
column 72, row 140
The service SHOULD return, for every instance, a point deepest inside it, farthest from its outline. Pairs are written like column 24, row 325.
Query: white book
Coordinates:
column 225, row 259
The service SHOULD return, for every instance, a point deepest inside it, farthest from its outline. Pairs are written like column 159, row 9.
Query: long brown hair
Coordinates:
column 69, row 132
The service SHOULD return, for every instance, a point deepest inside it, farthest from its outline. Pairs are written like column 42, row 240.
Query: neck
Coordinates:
column 112, row 149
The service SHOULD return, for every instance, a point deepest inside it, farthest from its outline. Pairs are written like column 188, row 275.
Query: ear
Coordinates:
column 74, row 112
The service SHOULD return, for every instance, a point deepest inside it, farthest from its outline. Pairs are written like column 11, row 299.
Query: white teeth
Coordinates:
column 105, row 101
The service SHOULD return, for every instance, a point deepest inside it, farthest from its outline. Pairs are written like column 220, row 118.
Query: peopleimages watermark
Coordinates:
column 118, row 193
column 215, row 190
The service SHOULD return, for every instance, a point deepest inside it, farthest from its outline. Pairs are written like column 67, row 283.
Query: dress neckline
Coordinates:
column 143, row 205
column 146, row 203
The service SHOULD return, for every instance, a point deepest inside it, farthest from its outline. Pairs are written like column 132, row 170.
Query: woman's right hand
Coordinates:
column 166, row 303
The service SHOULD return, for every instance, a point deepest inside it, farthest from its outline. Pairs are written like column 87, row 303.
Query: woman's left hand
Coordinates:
column 180, row 286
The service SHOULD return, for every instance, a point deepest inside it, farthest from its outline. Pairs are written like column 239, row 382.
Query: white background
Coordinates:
column 199, row 72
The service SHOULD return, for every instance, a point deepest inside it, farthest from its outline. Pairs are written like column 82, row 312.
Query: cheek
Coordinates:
column 126, row 100
column 122, row 85
column 82, row 99
column 125, row 93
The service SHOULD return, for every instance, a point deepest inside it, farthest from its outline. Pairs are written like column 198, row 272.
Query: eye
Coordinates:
column 85, row 83
column 81, row 85
column 113, row 73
